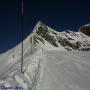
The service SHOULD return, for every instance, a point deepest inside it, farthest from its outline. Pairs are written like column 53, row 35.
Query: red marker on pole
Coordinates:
column 22, row 7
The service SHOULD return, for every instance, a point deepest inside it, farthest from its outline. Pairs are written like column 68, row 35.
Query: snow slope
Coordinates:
column 51, row 70
column 48, row 65
column 65, row 71
column 12, row 77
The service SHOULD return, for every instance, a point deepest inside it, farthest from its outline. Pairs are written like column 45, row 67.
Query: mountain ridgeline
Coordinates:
column 47, row 64
column 68, row 40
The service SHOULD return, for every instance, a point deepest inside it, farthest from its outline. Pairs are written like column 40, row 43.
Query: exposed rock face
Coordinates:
column 85, row 29
column 69, row 40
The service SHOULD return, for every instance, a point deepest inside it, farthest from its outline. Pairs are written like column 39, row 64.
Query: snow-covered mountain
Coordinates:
column 48, row 65
column 68, row 40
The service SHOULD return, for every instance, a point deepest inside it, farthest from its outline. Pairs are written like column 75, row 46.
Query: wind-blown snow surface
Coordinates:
column 65, row 71
column 48, row 70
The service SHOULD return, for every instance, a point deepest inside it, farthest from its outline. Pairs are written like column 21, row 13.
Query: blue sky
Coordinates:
column 60, row 15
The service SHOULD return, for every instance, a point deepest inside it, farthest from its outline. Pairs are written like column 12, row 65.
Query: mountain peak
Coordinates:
column 39, row 23
column 69, row 40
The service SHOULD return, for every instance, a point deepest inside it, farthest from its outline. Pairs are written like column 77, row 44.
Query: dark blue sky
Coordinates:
column 58, row 14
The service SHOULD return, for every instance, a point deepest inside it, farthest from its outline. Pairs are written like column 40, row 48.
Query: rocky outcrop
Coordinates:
column 85, row 29
column 69, row 40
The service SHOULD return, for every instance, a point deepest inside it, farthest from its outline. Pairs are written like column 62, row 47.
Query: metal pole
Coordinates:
column 22, row 36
